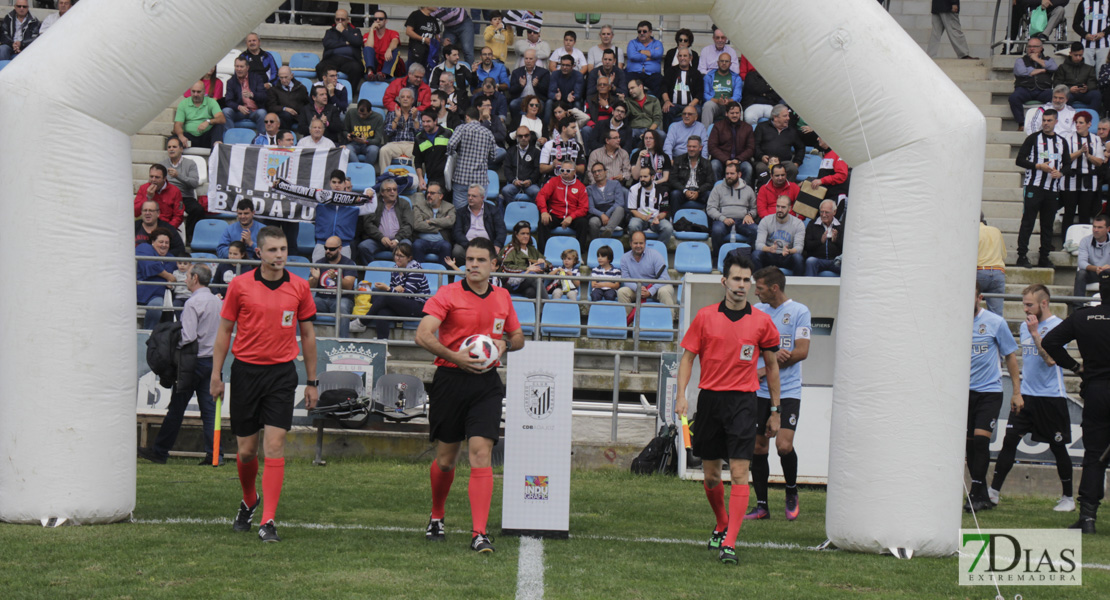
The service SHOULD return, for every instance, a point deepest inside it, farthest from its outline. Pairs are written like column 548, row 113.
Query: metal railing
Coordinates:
column 616, row 355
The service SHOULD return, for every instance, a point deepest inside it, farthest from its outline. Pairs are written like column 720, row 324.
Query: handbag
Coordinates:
column 1038, row 20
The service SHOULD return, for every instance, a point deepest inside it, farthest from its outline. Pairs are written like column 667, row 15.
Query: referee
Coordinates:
column 728, row 339
column 1090, row 327
column 267, row 306
column 464, row 403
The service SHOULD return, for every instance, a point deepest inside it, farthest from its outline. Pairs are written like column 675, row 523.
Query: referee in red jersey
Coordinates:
column 728, row 339
column 268, row 304
column 464, row 402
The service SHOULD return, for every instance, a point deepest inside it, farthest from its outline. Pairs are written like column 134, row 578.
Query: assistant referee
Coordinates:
column 728, row 339
column 267, row 306
column 1090, row 327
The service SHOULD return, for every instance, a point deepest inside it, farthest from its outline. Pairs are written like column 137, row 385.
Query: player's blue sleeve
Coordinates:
column 802, row 328
column 1006, row 343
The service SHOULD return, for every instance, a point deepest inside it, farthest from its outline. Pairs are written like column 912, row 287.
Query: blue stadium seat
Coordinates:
column 202, row 255
column 725, row 249
column 239, row 136
column 207, row 235
column 304, row 61
column 374, row 91
column 247, row 124
column 810, row 166
column 618, row 251
column 659, row 247
column 653, row 316
column 362, row 176
column 493, row 189
column 4, row 63
column 306, row 238
column 555, row 247
column 561, row 320
column 828, row 274
column 343, row 76
column 516, row 212
column 526, row 314
column 379, row 276
column 693, row 257
column 306, row 82
column 602, row 318
column 302, row 272
column 277, row 57
column 693, row 215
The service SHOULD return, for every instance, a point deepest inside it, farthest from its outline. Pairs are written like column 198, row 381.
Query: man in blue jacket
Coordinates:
column 566, row 84
column 245, row 229
column 336, row 220
column 720, row 87
column 645, row 59
column 245, row 96
column 342, row 50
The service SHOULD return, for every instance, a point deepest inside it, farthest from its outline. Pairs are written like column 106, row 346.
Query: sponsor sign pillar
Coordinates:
column 536, row 487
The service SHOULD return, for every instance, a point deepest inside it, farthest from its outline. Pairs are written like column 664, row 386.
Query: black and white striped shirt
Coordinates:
column 648, row 201
column 1091, row 17
column 1083, row 176
column 1040, row 148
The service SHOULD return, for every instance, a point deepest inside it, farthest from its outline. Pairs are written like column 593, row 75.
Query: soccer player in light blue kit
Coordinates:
column 990, row 339
column 1045, row 413
column 793, row 322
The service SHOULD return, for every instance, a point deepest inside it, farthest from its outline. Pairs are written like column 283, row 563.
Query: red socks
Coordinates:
column 441, row 486
column 248, row 472
column 716, row 497
column 481, row 492
column 737, row 506
column 272, row 478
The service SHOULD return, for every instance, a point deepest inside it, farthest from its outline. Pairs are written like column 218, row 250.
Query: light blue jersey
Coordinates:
column 792, row 320
column 1037, row 378
column 990, row 340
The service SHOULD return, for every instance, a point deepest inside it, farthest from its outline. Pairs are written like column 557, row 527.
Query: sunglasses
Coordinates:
column 270, row 121
column 536, row 104
column 684, row 39
column 379, row 18
column 643, row 31
column 341, row 20
column 566, row 170
column 335, row 249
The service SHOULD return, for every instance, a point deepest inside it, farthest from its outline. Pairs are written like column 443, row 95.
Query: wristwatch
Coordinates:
column 774, row 409
column 313, row 382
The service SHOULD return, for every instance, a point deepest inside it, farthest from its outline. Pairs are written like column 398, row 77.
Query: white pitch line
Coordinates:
column 529, row 569
column 605, row 538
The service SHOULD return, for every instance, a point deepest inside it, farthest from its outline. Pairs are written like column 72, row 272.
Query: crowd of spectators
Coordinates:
column 604, row 143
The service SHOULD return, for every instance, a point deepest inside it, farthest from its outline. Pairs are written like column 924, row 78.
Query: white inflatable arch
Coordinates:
column 68, row 358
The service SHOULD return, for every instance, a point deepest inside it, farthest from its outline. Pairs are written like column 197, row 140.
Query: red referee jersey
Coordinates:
column 267, row 318
column 464, row 313
column 729, row 350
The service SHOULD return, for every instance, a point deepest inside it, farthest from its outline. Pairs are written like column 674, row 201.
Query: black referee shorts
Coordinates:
column 261, row 395
column 1045, row 417
column 463, row 405
column 725, row 425
column 788, row 413
column 982, row 410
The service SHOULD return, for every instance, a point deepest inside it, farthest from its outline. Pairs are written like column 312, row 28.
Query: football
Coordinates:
column 482, row 346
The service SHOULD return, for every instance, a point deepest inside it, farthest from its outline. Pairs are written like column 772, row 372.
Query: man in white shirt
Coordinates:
column 707, row 60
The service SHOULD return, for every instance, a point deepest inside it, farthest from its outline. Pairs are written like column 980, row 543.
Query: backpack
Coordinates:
column 658, row 456
column 344, row 406
column 161, row 352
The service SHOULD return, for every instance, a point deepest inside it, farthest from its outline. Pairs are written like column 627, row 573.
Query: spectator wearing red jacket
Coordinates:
column 833, row 175
column 414, row 80
column 563, row 202
column 769, row 193
column 165, row 194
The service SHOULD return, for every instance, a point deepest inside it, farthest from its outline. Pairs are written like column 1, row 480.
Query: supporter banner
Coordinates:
column 536, row 494
column 364, row 357
column 238, row 171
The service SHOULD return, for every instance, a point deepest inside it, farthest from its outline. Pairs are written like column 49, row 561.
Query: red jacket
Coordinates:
column 169, row 202
column 840, row 169
column 769, row 194
column 562, row 200
column 423, row 94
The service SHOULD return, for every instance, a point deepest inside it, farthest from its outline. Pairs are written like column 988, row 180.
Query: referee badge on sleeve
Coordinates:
column 287, row 318
column 747, row 352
